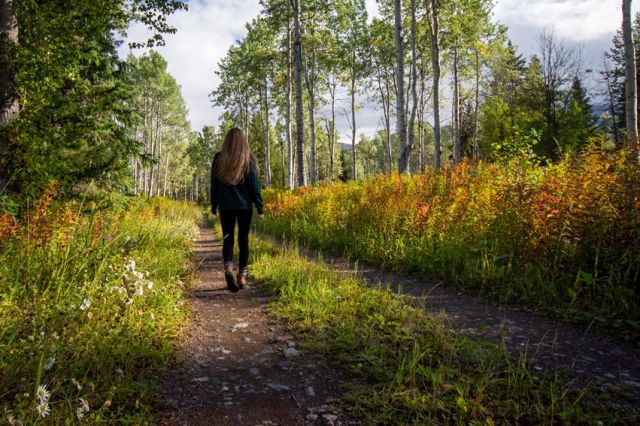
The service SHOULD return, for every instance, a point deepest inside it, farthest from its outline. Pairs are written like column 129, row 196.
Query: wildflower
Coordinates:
column 153, row 317
column 82, row 409
column 76, row 383
column 42, row 394
column 139, row 291
column 49, row 364
column 131, row 266
column 43, row 409
column 86, row 303
column 149, row 285
column 119, row 371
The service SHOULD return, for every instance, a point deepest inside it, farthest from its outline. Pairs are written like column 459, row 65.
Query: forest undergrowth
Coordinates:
column 564, row 237
column 91, row 297
column 408, row 368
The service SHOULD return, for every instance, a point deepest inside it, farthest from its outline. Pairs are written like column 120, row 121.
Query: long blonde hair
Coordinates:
column 235, row 159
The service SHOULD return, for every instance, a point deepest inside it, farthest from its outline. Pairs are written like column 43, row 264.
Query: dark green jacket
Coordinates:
column 236, row 197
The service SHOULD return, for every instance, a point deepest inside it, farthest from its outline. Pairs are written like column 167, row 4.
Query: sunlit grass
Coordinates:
column 563, row 237
column 91, row 298
column 409, row 368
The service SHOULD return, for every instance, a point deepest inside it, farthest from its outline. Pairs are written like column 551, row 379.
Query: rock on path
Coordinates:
column 234, row 367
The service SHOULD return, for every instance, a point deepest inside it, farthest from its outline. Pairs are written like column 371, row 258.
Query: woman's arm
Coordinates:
column 256, row 191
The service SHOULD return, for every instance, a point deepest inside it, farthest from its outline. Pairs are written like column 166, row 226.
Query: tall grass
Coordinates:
column 409, row 368
column 90, row 298
column 565, row 237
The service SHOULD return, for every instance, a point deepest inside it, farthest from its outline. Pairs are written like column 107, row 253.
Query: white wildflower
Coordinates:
column 139, row 291
column 86, row 303
column 49, row 364
column 42, row 394
column 119, row 371
column 153, row 317
column 43, row 409
column 131, row 266
column 149, row 285
column 82, row 409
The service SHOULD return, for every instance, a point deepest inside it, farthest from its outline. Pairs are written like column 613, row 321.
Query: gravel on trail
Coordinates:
column 235, row 366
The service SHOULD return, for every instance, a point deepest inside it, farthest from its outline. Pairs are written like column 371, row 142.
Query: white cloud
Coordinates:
column 205, row 33
column 210, row 27
column 575, row 20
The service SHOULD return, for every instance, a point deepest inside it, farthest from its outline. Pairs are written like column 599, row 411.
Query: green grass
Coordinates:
column 407, row 367
column 562, row 238
column 91, row 298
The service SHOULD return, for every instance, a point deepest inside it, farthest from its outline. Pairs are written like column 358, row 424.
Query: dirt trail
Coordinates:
column 584, row 356
column 237, row 368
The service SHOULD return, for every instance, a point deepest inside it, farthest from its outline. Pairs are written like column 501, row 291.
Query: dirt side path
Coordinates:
column 237, row 368
column 586, row 357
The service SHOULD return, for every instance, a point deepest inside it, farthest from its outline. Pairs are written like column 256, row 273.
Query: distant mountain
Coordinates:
column 345, row 146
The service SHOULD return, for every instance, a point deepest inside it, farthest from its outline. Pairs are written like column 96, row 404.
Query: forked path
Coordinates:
column 235, row 367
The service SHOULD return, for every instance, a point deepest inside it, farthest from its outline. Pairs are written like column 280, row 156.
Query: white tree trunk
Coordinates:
column 297, row 53
column 290, row 163
column 631, row 84
column 400, row 113
column 457, row 137
column 266, row 148
column 414, row 94
column 434, row 35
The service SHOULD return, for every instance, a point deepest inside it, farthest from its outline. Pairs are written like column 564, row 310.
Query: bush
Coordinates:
column 90, row 300
column 565, row 237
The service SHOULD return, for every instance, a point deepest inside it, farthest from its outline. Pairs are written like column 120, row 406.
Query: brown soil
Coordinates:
column 231, row 367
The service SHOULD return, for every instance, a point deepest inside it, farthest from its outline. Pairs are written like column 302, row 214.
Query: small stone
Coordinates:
column 310, row 391
column 240, row 325
column 329, row 419
column 291, row 344
column 254, row 371
column 278, row 387
column 312, row 417
column 290, row 352
column 200, row 379
column 228, row 404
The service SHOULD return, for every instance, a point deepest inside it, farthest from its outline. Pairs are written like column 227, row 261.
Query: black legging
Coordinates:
column 228, row 221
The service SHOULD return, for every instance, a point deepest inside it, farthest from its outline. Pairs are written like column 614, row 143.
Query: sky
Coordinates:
column 210, row 27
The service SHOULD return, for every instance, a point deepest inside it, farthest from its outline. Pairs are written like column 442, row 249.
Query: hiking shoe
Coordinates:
column 231, row 282
column 242, row 280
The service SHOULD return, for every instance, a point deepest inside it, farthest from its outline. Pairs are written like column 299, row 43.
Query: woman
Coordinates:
column 235, row 187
